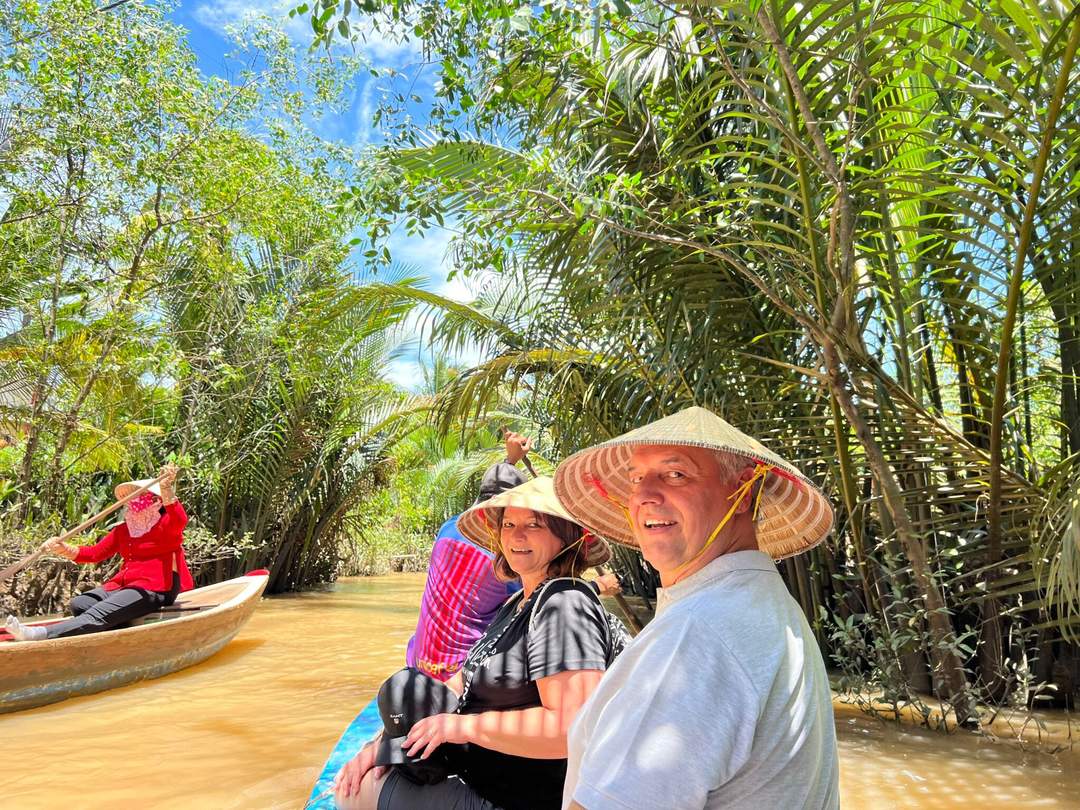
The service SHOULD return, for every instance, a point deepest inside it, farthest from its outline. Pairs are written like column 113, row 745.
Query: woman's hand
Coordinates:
column 167, row 482
column 517, row 445
column 54, row 545
column 431, row 732
column 608, row 584
column 348, row 779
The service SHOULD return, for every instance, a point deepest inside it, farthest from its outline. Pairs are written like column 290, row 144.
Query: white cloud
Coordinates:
column 221, row 15
column 425, row 255
column 428, row 256
column 364, row 112
column 456, row 289
column 388, row 48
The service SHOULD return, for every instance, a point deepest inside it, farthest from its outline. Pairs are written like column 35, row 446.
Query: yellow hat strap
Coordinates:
column 761, row 471
column 494, row 535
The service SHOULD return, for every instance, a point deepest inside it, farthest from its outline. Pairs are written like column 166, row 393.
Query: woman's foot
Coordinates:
column 24, row 632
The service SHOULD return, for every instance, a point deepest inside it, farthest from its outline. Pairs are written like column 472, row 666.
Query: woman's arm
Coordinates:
column 456, row 683
column 175, row 518
column 348, row 779
column 169, row 531
column 167, row 483
column 538, row 733
column 101, row 550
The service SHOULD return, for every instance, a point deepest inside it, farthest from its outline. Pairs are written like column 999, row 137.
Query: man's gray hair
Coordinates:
column 731, row 465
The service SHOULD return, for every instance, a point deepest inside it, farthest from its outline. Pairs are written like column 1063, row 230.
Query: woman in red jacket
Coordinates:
column 153, row 572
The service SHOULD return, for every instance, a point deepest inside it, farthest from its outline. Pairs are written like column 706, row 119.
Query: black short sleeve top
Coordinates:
column 560, row 628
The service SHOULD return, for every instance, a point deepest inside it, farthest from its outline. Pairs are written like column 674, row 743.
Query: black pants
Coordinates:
column 100, row 609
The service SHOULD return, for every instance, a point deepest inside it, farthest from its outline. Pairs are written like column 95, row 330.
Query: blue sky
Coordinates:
column 206, row 22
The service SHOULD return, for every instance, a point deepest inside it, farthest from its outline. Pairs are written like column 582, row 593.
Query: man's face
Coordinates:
column 677, row 497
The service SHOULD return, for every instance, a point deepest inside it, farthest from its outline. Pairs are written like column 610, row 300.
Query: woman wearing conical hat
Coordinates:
column 152, row 574
column 521, row 684
column 723, row 699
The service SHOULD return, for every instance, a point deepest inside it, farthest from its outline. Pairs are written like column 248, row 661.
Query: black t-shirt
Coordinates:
column 568, row 632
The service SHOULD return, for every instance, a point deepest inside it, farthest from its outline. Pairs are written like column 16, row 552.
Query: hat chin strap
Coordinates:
column 761, row 471
column 586, row 538
column 598, row 485
column 490, row 529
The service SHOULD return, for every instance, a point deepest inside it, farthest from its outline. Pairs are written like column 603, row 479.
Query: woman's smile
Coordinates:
column 527, row 543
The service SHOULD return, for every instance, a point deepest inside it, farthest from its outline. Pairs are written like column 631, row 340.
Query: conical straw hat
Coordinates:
column 478, row 523
column 126, row 488
column 593, row 485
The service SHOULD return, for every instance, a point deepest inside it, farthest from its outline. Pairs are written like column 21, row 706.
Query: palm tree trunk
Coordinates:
column 948, row 668
column 1027, row 232
column 991, row 608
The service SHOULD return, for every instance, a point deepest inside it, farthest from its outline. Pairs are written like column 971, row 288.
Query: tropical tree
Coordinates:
column 826, row 223
column 176, row 280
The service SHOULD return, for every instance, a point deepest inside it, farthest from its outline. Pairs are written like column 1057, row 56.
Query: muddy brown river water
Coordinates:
column 251, row 727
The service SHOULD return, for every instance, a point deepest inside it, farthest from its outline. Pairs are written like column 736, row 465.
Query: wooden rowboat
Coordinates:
column 200, row 623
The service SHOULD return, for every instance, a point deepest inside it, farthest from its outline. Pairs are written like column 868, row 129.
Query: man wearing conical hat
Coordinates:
column 723, row 699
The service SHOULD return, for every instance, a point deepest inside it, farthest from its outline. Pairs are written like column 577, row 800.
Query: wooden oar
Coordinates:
column 15, row 568
column 620, row 600
column 628, row 611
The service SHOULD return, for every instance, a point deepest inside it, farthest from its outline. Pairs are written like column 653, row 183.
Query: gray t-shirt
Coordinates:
column 722, row 701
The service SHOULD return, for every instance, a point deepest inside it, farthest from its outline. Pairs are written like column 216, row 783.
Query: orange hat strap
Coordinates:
column 602, row 491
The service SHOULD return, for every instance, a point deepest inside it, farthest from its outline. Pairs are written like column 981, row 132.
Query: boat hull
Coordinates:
column 42, row 672
column 366, row 725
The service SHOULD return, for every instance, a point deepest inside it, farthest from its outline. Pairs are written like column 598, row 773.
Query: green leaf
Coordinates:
column 521, row 20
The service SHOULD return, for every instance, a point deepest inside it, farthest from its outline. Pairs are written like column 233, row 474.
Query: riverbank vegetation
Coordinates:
column 176, row 283
column 178, row 280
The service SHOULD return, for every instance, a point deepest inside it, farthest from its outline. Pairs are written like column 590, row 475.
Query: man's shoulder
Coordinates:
column 749, row 584
column 685, row 647
column 734, row 593
column 693, row 627
column 747, row 616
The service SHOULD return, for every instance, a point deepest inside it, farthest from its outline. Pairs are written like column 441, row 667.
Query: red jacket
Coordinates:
column 148, row 560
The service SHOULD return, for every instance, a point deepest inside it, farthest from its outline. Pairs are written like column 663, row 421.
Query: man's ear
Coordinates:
column 747, row 499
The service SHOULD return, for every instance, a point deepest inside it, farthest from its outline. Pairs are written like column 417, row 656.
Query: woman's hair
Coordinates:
column 589, row 552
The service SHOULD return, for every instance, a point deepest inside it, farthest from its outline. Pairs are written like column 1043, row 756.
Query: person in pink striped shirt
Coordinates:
column 462, row 593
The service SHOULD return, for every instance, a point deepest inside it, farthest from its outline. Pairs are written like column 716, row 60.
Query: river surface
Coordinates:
column 252, row 726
